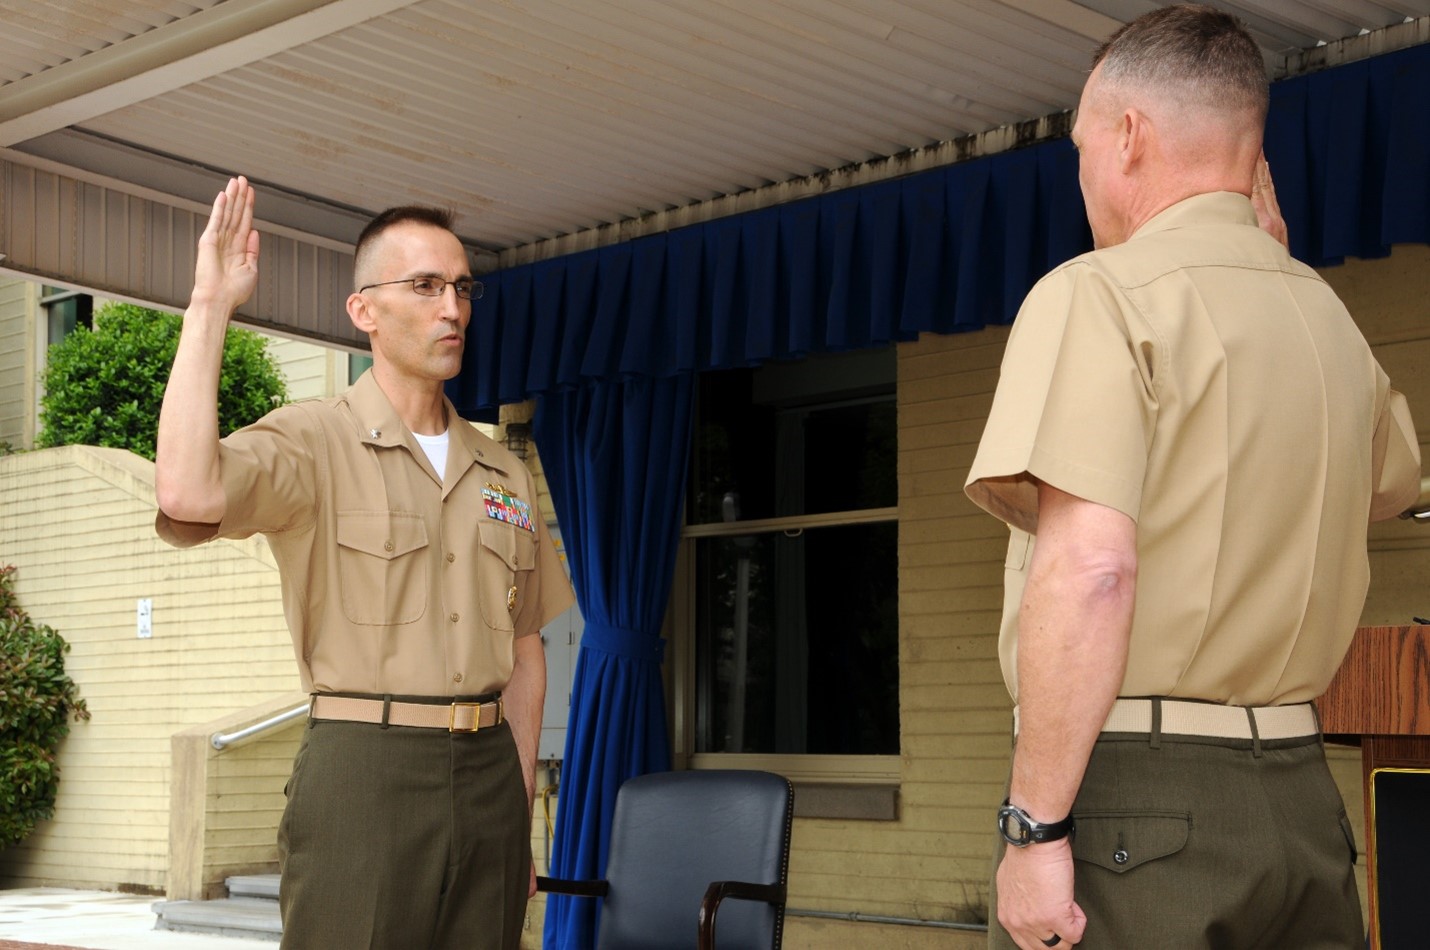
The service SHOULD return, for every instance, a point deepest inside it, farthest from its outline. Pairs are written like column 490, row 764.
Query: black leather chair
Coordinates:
column 683, row 842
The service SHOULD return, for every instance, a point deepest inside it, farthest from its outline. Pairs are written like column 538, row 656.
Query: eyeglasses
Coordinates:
column 465, row 287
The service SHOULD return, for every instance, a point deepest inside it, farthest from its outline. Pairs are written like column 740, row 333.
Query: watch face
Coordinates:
column 1013, row 827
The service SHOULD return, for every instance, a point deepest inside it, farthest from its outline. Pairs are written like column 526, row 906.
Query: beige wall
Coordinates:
column 311, row 371
column 78, row 523
column 19, row 300
column 954, row 713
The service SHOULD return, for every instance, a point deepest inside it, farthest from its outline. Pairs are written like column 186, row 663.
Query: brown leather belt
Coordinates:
column 454, row 717
column 1183, row 718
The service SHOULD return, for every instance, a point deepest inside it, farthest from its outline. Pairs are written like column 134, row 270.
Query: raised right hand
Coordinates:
column 226, row 271
column 1263, row 200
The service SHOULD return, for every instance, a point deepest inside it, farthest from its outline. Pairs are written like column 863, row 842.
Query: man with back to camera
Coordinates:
column 416, row 572
column 1196, row 435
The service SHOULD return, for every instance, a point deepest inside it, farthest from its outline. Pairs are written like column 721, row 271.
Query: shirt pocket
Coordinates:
column 504, row 565
column 382, row 566
column 1123, row 841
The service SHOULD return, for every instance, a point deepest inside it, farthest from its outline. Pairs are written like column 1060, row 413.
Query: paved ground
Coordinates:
column 59, row 919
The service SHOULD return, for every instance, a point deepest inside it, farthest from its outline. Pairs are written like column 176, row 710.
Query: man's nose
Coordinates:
column 451, row 307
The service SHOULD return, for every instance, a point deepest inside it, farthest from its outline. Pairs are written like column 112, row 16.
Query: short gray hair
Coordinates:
column 1198, row 54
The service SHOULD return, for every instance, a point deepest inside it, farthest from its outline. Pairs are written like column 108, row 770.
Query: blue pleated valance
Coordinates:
column 951, row 249
column 1350, row 152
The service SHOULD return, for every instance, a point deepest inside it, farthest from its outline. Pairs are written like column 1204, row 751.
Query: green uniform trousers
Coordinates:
column 1184, row 842
column 404, row 838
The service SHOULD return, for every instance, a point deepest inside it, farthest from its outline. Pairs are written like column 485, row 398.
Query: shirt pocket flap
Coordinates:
column 515, row 546
column 1121, row 841
column 384, row 534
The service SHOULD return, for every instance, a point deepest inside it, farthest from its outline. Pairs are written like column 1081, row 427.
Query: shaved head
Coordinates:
column 1192, row 61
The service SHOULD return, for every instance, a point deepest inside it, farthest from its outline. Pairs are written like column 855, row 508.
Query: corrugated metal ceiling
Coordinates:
column 536, row 118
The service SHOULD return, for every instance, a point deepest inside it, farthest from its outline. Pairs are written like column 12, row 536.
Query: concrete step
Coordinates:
column 231, row 916
column 250, row 910
column 253, row 885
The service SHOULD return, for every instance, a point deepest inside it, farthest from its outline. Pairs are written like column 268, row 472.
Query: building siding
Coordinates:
column 78, row 524
column 18, row 303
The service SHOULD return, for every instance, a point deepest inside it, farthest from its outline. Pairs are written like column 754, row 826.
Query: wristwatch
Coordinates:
column 1020, row 831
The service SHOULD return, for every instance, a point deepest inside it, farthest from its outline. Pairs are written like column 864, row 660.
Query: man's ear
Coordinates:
column 360, row 313
column 1133, row 133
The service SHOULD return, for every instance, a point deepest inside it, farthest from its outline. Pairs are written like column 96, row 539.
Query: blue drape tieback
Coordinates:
column 622, row 641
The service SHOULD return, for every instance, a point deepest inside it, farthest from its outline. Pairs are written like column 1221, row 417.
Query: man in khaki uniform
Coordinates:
column 1188, row 439
column 417, row 572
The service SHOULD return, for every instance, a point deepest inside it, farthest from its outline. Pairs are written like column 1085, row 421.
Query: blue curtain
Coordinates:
column 615, row 454
column 1350, row 151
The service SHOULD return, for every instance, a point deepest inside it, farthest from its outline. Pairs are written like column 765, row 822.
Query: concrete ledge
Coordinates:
column 856, row 802
column 235, row 916
column 253, row 885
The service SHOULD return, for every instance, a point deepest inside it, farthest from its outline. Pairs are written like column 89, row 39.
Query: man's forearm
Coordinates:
column 1073, row 631
column 186, row 469
column 523, row 700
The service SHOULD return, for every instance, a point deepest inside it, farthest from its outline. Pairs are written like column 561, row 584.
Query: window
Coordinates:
column 791, row 560
column 65, row 310
column 61, row 312
column 357, row 365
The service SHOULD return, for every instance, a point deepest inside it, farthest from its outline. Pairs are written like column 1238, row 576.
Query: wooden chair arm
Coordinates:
column 557, row 885
column 740, row 890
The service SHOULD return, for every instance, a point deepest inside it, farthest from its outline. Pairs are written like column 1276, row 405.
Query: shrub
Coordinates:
column 104, row 386
column 36, row 701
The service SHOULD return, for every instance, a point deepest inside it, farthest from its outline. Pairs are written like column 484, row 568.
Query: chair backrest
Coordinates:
column 674, row 833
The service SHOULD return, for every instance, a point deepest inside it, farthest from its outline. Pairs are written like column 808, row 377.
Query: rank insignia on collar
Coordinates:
column 502, row 505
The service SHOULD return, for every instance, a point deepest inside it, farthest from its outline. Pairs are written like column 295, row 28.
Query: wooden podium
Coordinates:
column 1381, row 695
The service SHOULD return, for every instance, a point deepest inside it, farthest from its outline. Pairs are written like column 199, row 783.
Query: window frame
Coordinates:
column 680, row 632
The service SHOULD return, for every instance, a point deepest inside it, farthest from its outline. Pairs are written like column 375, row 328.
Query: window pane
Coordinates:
column 797, row 642
column 357, row 365
column 763, row 449
column 67, row 313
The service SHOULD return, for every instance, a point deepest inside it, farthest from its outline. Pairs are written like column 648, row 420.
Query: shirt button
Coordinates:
column 453, row 616
column 456, row 677
column 451, row 557
column 388, row 545
column 1119, row 856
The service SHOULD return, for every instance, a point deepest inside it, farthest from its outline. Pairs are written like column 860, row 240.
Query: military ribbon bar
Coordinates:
column 502, row 505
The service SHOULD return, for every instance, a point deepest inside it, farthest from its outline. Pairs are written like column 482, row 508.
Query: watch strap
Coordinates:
column 1026, row 830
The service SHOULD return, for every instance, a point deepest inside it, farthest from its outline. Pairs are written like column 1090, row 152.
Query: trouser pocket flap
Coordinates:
column 1121, row 841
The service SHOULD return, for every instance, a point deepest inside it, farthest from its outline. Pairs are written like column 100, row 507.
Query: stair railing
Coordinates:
column 222, row 740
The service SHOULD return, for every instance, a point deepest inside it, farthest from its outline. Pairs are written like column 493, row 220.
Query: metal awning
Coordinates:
column 119, row 119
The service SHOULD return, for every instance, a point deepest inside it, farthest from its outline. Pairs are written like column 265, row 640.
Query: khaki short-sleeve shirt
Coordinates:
column 1204, row 383
column 394, row 580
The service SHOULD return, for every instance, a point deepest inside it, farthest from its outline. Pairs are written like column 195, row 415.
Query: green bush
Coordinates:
column 36, row 700
column 104, row 386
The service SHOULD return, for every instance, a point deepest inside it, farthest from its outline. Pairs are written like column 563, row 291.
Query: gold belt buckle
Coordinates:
column 476, row 717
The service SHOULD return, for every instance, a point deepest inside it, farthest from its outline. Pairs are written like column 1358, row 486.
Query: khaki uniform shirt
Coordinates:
column 1199, row 380
column 394, row 580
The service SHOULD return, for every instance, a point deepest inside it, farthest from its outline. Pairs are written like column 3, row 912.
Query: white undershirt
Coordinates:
column 436, row 448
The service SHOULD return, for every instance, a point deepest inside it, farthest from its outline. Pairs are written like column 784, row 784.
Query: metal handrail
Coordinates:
column 220, row 740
